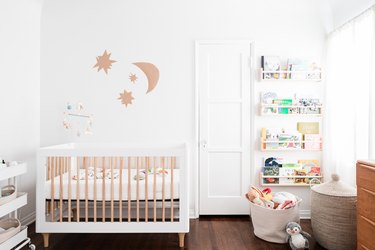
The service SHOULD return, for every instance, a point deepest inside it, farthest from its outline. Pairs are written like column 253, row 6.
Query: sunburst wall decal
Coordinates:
column 126, row 98
column 103, row 62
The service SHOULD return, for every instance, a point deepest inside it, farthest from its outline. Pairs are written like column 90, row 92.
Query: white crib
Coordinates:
column 112, row 188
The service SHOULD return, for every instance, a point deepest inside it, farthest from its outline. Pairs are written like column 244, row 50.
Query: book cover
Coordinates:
column 271, row 171
column 273, row 162
column 271, row 63
column 312, row 141
column 283, row 102
column 290, row 140
column 308, row 127
column 300, row 172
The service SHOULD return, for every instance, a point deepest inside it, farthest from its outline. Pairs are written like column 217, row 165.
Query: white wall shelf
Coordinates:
column 276, row 110
column 310, row 177
column 264, row 143
column 286, row 75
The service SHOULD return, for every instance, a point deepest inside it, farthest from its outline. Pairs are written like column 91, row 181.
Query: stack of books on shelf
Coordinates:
column 292, row 68
column 278, row 171
column 272, row 104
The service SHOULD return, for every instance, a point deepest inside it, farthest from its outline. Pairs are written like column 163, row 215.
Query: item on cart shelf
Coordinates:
column 10, row 227
column 8, row 193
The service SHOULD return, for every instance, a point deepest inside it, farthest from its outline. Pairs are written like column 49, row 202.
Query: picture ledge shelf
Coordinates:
column 288, row 76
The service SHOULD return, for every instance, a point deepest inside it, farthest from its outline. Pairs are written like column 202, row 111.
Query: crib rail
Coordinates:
column 88, row 186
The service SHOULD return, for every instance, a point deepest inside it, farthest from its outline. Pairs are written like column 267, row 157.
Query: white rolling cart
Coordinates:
column 10, row 208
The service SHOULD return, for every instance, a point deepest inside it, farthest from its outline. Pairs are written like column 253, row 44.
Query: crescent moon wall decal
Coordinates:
column 151, row 72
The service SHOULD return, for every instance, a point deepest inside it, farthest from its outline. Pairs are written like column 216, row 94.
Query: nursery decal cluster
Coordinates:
column 150, row 70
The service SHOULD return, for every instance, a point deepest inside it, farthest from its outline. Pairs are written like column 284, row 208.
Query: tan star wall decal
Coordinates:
column 126, row 98
column 133, row 78
column 103, row 62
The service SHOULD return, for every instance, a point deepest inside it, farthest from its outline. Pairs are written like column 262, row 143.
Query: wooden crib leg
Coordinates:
column 46, row 239
column 181, row 238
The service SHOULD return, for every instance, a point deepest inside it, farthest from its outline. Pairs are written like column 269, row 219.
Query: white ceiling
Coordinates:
column 342, row 11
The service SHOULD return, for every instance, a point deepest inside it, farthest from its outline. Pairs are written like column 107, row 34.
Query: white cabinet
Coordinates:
column 10, row 208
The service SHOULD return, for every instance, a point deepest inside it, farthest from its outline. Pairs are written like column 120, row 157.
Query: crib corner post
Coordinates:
column 46, row 240
column 181, row 238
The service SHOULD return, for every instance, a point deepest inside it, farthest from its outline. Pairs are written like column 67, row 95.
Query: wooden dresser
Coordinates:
column 366, row 205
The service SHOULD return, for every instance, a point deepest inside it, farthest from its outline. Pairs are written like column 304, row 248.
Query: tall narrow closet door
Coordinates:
column 223, row 75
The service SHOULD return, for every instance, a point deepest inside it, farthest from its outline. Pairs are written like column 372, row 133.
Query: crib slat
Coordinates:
column 154, row 189
column 103, row 191
column 95, row 187
column 69, row 190
column 62, row 166
column 172, row 186
column 52, row 188
column 146, row 188
column 78, row 194
column 137, row 194
column 129, row 189
column 163, row 189
column 86, row 189
column 112, row 188
column 120, row 191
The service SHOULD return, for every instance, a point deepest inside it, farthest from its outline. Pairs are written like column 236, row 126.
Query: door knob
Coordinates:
column 204, row 144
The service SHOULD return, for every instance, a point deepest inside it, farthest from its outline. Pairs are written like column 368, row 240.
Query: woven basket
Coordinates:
column 11, row 227
column 8, row 193
column 333, row 215
column 269, row 224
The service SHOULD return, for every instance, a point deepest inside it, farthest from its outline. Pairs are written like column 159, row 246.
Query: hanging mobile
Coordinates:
column 76, row 119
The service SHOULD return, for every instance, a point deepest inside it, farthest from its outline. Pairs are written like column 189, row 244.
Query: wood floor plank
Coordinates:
column 206, row 233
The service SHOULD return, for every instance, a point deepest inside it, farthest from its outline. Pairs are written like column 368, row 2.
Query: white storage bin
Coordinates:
column 269, row 224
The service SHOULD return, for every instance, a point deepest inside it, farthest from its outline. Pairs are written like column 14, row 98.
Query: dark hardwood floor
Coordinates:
column 209, row 232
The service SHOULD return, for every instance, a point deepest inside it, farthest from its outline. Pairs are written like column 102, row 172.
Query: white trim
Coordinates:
column 28, row 219
column 305, row 214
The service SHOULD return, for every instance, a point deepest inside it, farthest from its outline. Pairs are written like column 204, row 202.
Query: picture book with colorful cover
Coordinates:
column 312, row 167
column 288, row 169
column 273, row 162
column 300, row 172
column 283, row 102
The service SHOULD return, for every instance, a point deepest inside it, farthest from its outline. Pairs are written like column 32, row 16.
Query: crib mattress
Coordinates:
column 115, row 195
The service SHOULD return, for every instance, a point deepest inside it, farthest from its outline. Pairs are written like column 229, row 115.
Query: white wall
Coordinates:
column 162, row 32
column 19, row 88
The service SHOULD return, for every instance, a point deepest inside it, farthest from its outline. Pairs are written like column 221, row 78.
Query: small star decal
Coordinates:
column 126, row 98
column 133, row 78
column 103, row 62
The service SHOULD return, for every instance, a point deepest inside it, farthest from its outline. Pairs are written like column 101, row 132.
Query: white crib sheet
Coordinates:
column 116, row 187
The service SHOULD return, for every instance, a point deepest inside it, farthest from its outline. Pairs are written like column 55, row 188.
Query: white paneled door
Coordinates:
column 223, row 80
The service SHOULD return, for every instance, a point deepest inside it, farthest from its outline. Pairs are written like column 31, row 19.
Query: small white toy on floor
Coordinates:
column 296, row 237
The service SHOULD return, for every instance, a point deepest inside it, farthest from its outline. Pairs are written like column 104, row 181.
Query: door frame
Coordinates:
column 252, row 64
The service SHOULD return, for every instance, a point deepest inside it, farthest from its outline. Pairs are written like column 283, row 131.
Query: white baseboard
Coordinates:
column 28, row 219
column 305, row 214
column 192, row 214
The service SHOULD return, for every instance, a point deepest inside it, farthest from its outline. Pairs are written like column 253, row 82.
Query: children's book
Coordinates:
column 273, row 162
column 312, row 141
column 283, row 102
column 300, row 172
column 312, row 167
column 308, row 127
column 271, row 63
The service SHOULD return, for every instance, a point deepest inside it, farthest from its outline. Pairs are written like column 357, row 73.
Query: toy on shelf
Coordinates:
column 77, row 120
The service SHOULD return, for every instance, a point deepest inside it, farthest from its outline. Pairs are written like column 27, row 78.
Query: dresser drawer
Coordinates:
column 366, row 176
column 366, row 203
column 365, row 236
